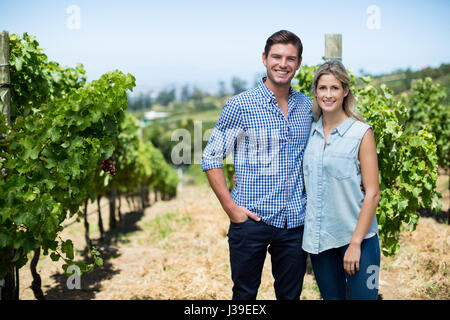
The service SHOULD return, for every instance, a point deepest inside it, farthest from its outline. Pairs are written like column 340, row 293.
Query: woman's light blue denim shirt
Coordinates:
column 332, row 180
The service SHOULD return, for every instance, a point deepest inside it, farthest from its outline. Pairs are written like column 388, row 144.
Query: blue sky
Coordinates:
column 165, row 43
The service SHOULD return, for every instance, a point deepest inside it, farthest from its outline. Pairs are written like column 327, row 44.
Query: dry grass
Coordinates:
column 420, row 270
column 178, row 249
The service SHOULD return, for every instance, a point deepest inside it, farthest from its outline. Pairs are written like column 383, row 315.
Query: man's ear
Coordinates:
column 264, row 59
column 299, row 63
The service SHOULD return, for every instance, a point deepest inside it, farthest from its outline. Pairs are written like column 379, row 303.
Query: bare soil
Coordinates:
column 178, row 249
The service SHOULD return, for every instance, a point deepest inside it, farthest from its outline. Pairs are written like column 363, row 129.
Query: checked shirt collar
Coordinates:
column 269, row 96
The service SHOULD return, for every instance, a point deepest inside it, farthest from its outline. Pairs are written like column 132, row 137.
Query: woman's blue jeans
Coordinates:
column 333, row 280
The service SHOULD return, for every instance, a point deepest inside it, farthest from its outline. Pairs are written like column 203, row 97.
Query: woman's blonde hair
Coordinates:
column 337, row 69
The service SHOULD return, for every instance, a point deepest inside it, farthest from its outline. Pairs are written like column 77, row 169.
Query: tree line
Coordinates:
column 187, row 92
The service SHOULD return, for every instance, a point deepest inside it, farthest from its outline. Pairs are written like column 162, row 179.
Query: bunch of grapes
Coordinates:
column 108, row 165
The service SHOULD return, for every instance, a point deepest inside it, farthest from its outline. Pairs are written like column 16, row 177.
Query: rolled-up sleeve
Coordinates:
column 223, row 137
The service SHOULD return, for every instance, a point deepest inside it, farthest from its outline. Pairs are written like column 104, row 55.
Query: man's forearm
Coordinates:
column 217, row 181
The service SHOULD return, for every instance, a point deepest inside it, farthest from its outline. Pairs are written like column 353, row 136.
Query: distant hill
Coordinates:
column 400, row 80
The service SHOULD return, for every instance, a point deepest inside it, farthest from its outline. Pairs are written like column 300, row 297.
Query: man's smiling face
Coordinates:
column 281, row 63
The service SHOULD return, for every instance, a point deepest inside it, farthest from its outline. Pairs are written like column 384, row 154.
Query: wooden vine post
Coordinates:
column 333, row 46
column 5, row 93
column 9, row 286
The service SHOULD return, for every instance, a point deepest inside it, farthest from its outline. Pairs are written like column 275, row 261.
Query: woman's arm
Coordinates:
column 369, row 170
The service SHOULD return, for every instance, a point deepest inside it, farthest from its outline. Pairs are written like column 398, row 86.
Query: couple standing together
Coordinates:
column 299, row 165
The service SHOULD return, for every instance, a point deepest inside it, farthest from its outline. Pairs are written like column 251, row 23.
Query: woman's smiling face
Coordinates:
column 330, row 93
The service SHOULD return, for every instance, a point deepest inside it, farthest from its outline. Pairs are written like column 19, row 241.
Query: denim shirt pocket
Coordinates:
column 339, row 165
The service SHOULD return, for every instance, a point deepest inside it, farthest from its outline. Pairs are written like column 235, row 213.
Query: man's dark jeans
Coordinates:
column 248, row 243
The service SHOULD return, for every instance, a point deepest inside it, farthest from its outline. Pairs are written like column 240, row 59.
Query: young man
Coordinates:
column 267, row 129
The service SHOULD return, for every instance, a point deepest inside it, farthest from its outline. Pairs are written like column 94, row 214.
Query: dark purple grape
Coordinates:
column 109, row 166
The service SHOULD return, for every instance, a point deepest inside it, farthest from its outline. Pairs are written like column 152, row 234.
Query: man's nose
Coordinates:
column 283, row 63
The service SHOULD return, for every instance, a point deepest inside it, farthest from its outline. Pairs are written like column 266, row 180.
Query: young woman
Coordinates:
column 341, row 231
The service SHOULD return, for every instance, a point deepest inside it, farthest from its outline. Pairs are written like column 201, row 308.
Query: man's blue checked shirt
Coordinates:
column 267, row 153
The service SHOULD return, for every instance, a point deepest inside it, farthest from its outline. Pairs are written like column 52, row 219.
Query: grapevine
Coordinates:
column 51, row 154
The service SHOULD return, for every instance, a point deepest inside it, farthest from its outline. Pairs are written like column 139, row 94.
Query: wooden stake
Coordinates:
column 9, row 289
column 5, row 91
column 333, row 46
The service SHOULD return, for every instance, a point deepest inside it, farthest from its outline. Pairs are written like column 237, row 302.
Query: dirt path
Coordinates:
column 178, row 250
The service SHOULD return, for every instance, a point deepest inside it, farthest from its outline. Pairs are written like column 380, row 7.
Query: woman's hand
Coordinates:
column 234, row 179
column 351, row 258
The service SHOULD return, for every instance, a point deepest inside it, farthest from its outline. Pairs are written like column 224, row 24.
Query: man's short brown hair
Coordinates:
column 285, row 37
